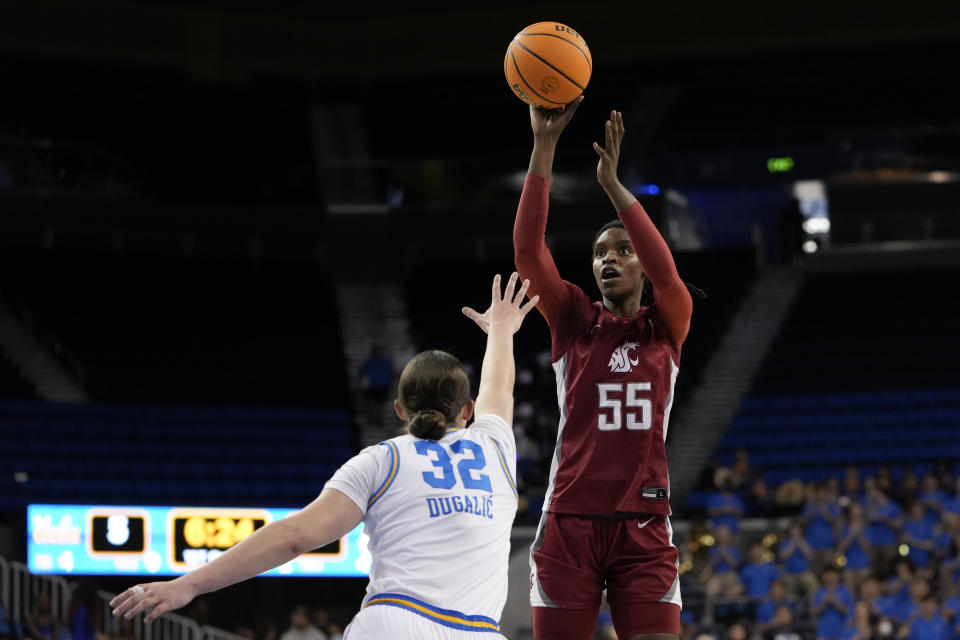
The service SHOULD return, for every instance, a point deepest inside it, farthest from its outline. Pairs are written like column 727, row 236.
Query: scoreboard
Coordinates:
column 165, row 541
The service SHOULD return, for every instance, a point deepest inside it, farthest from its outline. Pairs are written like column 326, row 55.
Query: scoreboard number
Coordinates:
column 199, row 536
column 117, row 531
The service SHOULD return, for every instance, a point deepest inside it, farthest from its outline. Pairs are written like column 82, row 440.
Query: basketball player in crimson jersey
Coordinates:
column 606, row 511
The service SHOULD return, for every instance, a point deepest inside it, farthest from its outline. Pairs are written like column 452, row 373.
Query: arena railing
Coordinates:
column 22, row 587
column 4, row 584
column 19, row 588
column 212, row 633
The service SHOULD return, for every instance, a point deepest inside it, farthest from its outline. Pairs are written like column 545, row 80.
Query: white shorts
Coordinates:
column 380, row 622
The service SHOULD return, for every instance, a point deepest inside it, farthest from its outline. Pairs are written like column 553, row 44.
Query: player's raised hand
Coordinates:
column 548, row 124
column 154, row 598
column 505, row 309
column 610, row 152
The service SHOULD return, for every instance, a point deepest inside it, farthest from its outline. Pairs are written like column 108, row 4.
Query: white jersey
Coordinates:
column 439, row 515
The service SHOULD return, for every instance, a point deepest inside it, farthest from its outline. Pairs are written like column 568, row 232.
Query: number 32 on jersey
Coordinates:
column 619, row 400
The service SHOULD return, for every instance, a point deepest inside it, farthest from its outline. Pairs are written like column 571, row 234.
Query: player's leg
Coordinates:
column 565, row 586
column 646, row 620
column 643, row 584
column 551, row 623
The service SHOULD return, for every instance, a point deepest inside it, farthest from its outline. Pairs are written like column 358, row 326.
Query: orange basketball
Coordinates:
column 548, row 65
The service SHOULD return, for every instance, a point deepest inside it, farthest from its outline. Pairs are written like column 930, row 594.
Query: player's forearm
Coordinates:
column 649, row 245
column 497, row 375
column 619, row 195
column 541, row 159
column 269, row 547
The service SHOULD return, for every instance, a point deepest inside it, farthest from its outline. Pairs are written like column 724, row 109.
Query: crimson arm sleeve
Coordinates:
column 530, row 252
column 673, row 299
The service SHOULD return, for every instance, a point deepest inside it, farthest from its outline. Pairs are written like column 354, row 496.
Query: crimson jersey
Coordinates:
column 615, row 376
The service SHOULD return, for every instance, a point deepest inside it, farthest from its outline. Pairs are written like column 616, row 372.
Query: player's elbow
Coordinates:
column 295, row 539
column 526, row 248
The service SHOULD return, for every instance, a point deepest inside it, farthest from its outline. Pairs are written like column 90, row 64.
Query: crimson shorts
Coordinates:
column 574, row 559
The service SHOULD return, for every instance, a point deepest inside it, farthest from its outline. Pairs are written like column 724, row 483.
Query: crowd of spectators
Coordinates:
column 863, row 558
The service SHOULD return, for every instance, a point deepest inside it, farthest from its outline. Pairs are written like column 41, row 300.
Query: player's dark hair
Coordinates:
column 433, row 388
column 647, row 297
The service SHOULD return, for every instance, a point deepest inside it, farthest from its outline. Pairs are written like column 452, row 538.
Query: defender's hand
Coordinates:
column 505, row 310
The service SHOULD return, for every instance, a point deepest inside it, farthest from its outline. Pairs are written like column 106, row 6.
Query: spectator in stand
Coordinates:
column 767, row 608
column 909, row 488
column 738, row 631
column 376, row 380
column 85, row 613
column 855, row 548
column 334, row 631
column 321, row 620
column 300, row 627
column 783, row 626
column 124, row 631
column 833, row 490
column 907, row 608
column 831, row 606
column 757, row 575
column 850, row 491
column 918, row 535
column 796, row 554
column 899, row 583
column 953, row 505
column 933, row 499
column 950, row 567
column 6, row 632
column 926, row 623
column 820, row 517
column 244, row 631
column 41, row 623
column 688, row 625
column 760, row 500
column 884, row 479
column 743, row 473
column 943, row 536
column 860, row 625
column 871, row 594
column 721, row 570
column 951, row 610
column 266, row 629
column 724, row 507
column 883, row 522
column 943, row 470
column 605, row 630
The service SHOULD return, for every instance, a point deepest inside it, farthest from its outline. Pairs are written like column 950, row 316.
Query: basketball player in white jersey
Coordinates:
column 438, row 504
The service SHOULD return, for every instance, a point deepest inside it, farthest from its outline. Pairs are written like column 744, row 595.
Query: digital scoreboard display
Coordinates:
column 166, row 541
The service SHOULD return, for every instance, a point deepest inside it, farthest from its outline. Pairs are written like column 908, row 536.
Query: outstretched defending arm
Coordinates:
column 500, row 321
column 328, row 518
column 673, row 299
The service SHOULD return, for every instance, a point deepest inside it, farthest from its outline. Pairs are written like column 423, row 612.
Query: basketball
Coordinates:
column 548, row 65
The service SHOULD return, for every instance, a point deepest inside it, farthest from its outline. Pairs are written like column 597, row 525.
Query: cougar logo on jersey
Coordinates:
column 620, row 360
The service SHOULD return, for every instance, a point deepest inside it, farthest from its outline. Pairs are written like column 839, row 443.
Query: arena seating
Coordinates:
column 126, row 454
column 158, row 330
column 864, row 372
